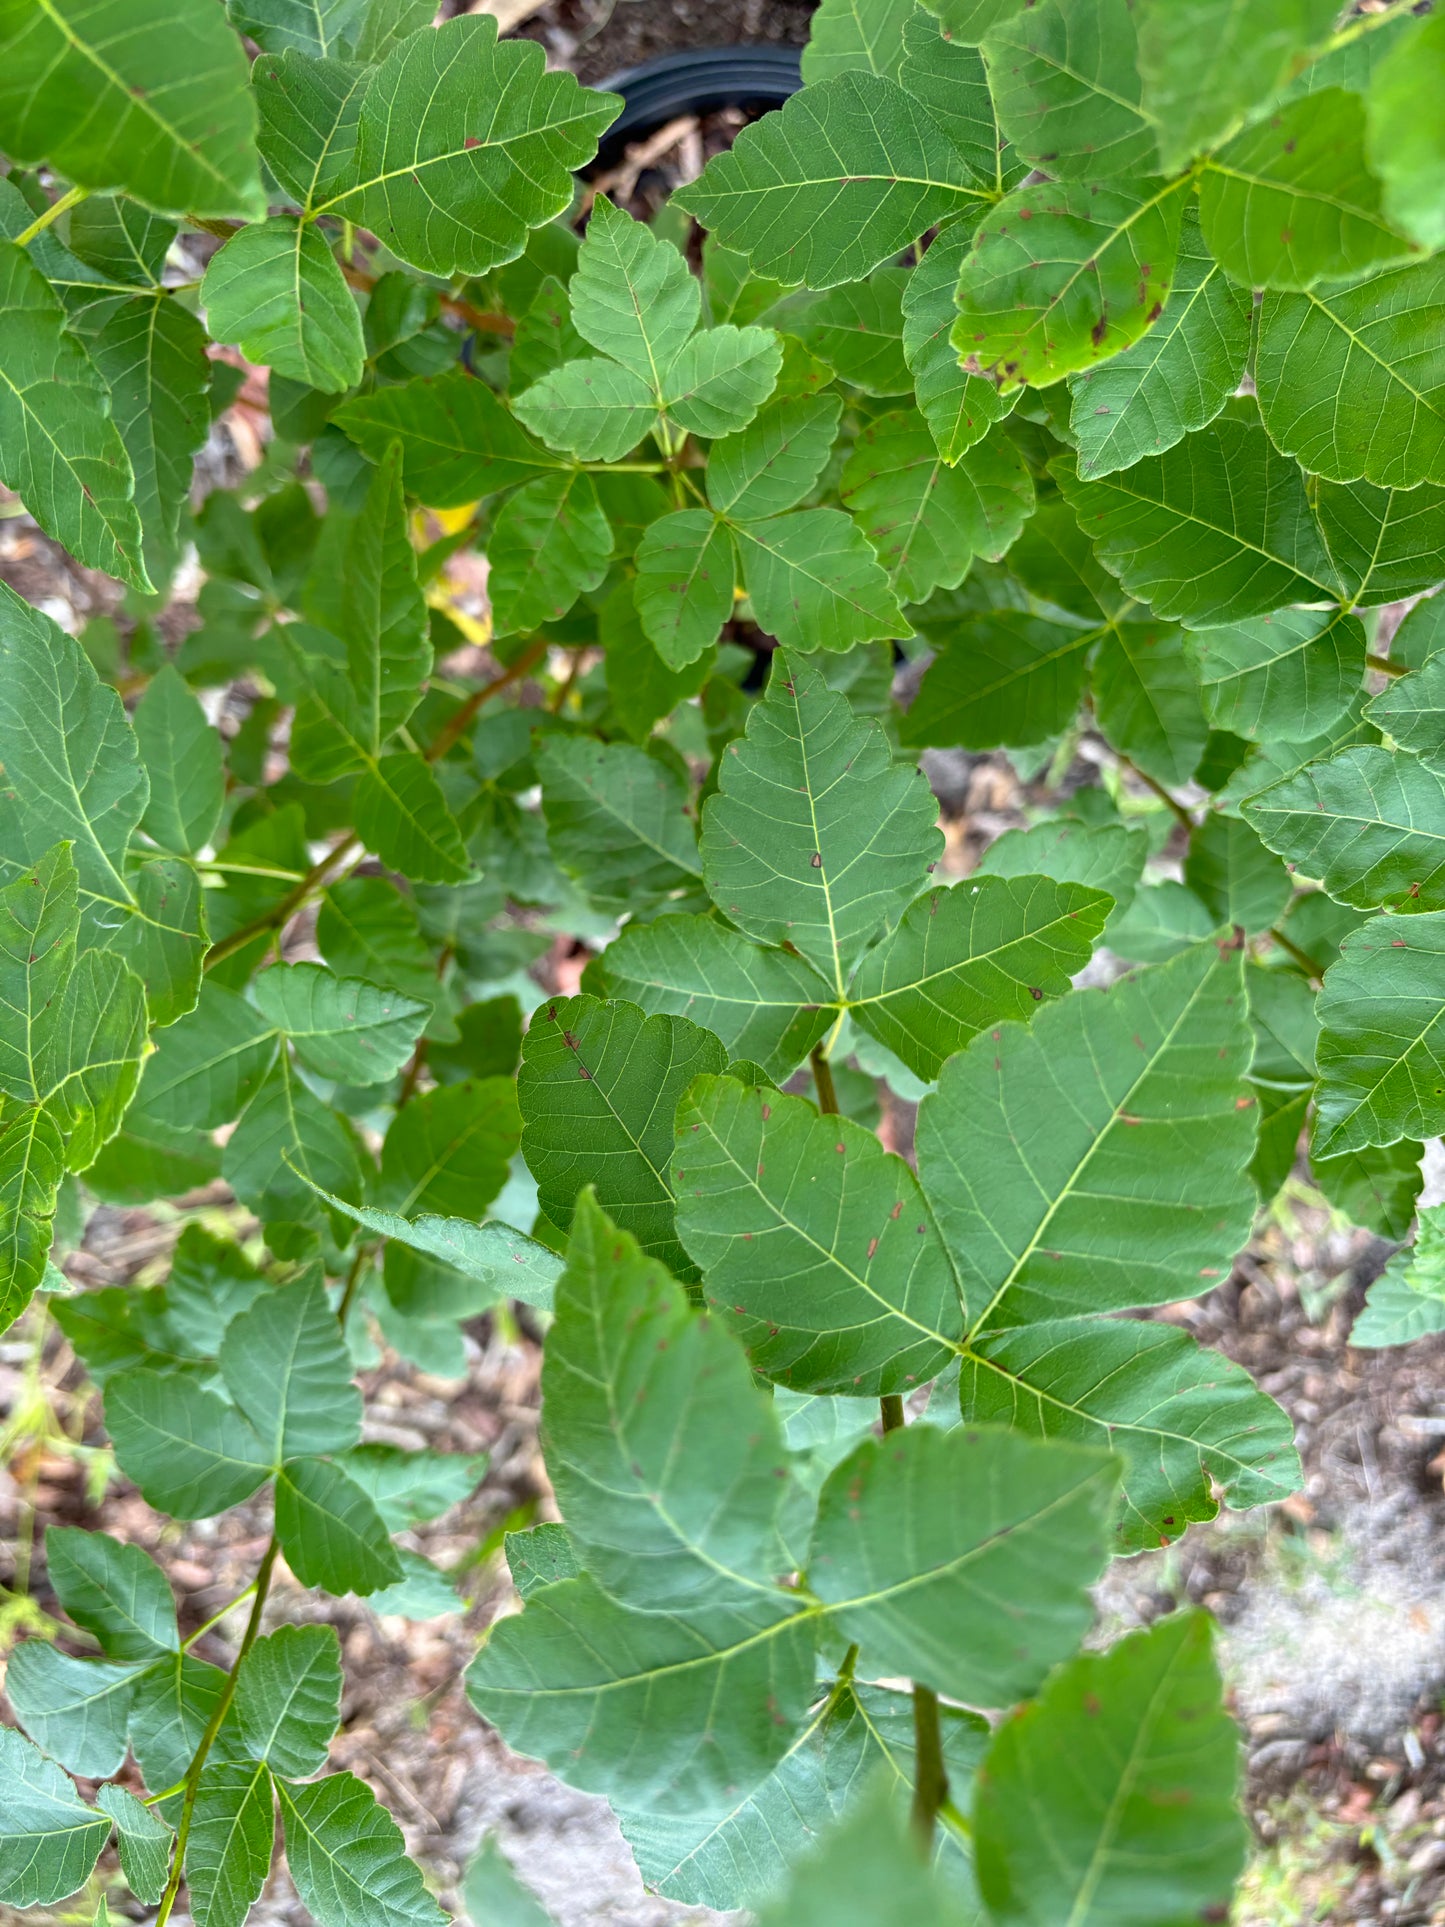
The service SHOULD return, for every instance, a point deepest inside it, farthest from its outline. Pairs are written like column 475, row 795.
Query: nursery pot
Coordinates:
column 699, row 81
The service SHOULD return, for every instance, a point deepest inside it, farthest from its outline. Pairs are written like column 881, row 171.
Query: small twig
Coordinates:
column 294, row 900
column 72, row 197
column 452, row 728
column 930, row 1776
column 823, row 1082
column 348, row 1290
column 1385, row 666
column 1172, row 803
column 1302, row 957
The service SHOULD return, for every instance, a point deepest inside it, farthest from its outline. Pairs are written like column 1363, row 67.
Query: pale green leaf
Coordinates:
column 49, row 1839
column 815, row 583
column 401, row 814
column 1387, row 543
column 228, row 1853
column 330, row 1532
column 633, row 296
column 286, row 1143
column 851, row 172
column 465, row 143
column 774, row 463
column 920, row 1535
column 205, row 1068
column 1136, row 1763
column 684, row 584
column 77, row 1710
column 1291, row 674
column 1065, row 83
column 721, row 379
column 345, row 1853
column 1147, row 700
column 1104, row 856
column 1403, row 134
column 39, row 922
column 115, row 1591
column 963, row 959
column 145, row 1842
column 550, row 542
column 342, row 1028
column 458, row 441
column 959, row 408
column 287, row 1369
column 861, row 35
column 276, row 291
column 288, row 1698
column 145, row 96
column 594, row 409
column 1368, row 825
column 309, row 106
column 32, row 1164
column 1382, row 1036
column 91, row 1066
column 191, row 1454
column 504, row 1262
column 1177, row 378
column 618, row 820
column 183, row 760
column 1412, row 711
column 815, row 1243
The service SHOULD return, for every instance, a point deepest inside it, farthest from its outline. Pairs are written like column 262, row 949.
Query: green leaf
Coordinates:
column 401, row 814
column 1104, row 856
column 286, row 1366
column 183, row 760
column 191, row 1454
column 849, row 35
column 545, row 338
column 342, row 1027
column 920, row 1535
column 871, row 1862
column 383, row 615
column 1205, row 63
column 856, row 329
column 1291, row 201
column 721, row 379
column 598, row 1087
column 774, row 463
column 593, row 409
column 175, row 1700
column 816, row 836
column 1005, row 678
column 815, row 583
column 851, row 172
column 1403, row 138
column 458, row 442
column 1370, row 826
column 1394, row 1314
column 503, row 1261
column 1136, row 1762
column 633, row 295
column 72, row 768
column 540, row 1556
column 276, row 291
column 1234, row 875
column 949, row 78
column 309, row 107
column 766, row 1006
column 1382, row 1036
column 465, row 143
column 1352, row 379
column 1291, row 674
column 1147, row 699
column 814, row 1241
column 90, row 1072
column 117, row 1592
column 145, row 1842
column 76, row 1709
column 924, row 519
column 151, row 355
column 49, row 1839
column 286, row 1143
column 1065, row 83
column 963, row 959
column 39, row 922
column 1213, row 531
column 345, row 1853
column 493, row 1892
column 730, row 1856
column 1177, row 378
column 667, row 1461
column 1412, row 711
column 449, row 1150
column 549, row 543
column 1386, row 543
column 1377, row 1186
column 409, row 1487
column 63, row 456
column 288, row 1698
column 959, row 408
column 330, row 1532
column 667, row 1712
column 1063, row 274
column 228, row 1852
column 618, row 820
column 684, row 586
column 206, row 1068
column 1040, row 1195
column 32, row 1164
column 145, row 96
column 367, row 928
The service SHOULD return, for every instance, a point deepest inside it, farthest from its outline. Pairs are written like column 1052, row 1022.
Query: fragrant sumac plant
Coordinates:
column 1065, row 381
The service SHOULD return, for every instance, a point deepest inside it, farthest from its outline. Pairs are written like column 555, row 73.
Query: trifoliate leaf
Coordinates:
column 191, row 1454
column 816, row 836
column 1063, row 274
column 1352, row 379
column 920, row 1534
column 49, row 1838
column 1291, row 674
column 1177, row 378
column 598, row 1087
column 1134, row 1753
column 962, row 959
column 276, row 291
column 1215, row 530
column 458, row 442
column 851, row 172
column 145, row 96
column 1368, row 825
column 346, row 1855
column 288, row 1698
column 815, row 1244
column 465, row 143
column 633, row 296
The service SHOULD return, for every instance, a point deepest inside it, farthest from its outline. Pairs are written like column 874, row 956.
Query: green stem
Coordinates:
column 213, row 1727
column 348, row 1290
column 1385, row 666
column 823, row 1082
column 216, row 1618
column 891, row 1405
column 1302, row 957
column 72, row 197
column 1171, row 803
column 452, row 728
column 930, row 1776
